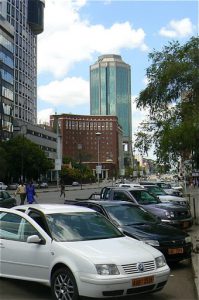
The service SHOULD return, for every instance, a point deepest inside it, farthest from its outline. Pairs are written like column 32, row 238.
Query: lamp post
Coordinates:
column 79, row 147
column 23, row 132
column 98, row 168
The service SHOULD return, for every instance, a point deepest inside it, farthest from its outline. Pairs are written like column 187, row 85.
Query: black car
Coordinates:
column 136, row 222
column 6, row 200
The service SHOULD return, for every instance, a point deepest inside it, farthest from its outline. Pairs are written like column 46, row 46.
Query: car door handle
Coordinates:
column 1, row 245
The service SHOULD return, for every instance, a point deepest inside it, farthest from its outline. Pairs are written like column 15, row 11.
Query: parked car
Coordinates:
column 163, row 196
column 3, row 186
column 165, row 186
column 43, row 185
column 175, row 215
column 136, row 222
column 6, row 200
column 73, row 250
column 13, row 186
column 75, row 183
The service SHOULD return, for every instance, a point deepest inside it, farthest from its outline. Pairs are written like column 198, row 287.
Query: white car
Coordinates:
column 3, row 186
column 77, row 252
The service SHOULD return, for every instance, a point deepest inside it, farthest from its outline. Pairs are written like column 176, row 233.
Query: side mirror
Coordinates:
column 34, row 239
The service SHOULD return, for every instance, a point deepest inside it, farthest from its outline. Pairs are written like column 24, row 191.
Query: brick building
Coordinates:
column 81, row 143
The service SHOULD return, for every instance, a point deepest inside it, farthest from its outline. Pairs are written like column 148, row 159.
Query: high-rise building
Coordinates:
column 110, row 92
column 26, row 17
column 6, row 79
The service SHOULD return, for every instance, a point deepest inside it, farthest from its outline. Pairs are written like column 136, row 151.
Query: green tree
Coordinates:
column 3, row 163
column 172, row 97
column 25, row 158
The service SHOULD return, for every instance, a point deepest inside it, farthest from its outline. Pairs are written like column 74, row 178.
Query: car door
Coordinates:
column 20, row 259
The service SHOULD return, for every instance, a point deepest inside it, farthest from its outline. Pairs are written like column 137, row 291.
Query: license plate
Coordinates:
column 175, row 251
column 143, row 281
column 185, row 224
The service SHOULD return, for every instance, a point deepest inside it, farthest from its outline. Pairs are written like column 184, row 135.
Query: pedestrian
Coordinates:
column 62, row 191
column 30, row 193
column 21, row 190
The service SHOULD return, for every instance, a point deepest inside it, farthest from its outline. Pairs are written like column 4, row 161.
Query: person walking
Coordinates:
column 30, row 193
column 62, row 191
column 21, row 190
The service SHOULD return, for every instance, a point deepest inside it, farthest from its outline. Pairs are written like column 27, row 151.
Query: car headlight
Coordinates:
column 169, row 214
column 160, row 261
column 153, row 243
column 107, row 269
column 188, row 239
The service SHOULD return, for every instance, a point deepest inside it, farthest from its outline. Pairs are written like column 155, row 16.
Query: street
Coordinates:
column 180, row 284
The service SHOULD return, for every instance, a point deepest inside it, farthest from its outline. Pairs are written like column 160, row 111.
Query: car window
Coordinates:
column 120, row 196
column 156, row 190
column 39, row 220
column 14, row 227
column 81, row 226
column 144, row 197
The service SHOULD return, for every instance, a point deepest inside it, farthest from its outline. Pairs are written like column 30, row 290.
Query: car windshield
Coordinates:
column 130, row 215
column 156, row 190
column 165, row 185
column 80, row 226
column 144, row 197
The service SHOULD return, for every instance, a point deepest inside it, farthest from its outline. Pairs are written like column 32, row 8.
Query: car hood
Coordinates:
column 110, row 250
column 171, row 198
column 164, row 206
column 156, row 231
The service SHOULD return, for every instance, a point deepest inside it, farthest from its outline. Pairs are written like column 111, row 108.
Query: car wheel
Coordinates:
column 63, row 285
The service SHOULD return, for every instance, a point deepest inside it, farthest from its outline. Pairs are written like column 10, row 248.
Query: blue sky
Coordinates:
column 77, row 32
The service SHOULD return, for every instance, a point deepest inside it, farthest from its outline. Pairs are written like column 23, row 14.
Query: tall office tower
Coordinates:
column 26, row 17
column 110, row 92
column 6, row 79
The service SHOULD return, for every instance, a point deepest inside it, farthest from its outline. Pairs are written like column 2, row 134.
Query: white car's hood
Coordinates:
column 171, row 198
column 119, row 249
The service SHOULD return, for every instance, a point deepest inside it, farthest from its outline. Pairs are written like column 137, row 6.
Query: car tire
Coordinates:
column 63, row 285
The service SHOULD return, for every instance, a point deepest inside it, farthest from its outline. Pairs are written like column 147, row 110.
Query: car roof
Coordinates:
column 130, row 188
column 109, row 202
column 53, row 208
column 125, row 188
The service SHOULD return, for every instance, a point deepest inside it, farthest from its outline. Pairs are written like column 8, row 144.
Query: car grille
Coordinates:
column 173, row 243
column 182, row 214
column 133, row 268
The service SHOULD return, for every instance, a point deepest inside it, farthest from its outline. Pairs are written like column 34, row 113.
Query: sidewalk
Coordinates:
column 193, row 196
column 194, row 232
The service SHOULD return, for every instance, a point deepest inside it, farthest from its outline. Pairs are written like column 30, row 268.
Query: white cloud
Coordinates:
column 68, row 39
column 43, row 116
column 138, row 115
column 181, row 28
column 69, row 91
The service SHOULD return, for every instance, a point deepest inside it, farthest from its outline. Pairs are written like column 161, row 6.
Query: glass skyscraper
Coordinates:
column 110, row 91
column 26, row 18
column 6, row 79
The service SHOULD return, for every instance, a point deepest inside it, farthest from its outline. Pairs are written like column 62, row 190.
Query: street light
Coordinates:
column 98, row 168
column 79, row 147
